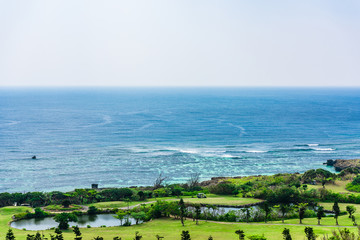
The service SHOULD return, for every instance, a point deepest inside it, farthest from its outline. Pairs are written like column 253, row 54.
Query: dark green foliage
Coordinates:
column 158, row 237
column 351, row 210
column 336, row 210
column 210, row 238
column 137, row 236
column 39, row 213
column 286, row 234
column 283, row 194
column 141, row 195
column 350, row 170
column 225, row 188
column 59, row 235
column 317, row 174
column 64, row 218
column 38, row 236
column 98, row 238
column 66, row 203
column 309, row 233
column 320, row 213
column 267, row 210
column 241, row 234
column 356, row 180
column 116, row 194
column 77, row 233
column 117, row 238
column 185, row 235
column 353, row 220
column 182, row 210
column 301, row 208
column 197, row 212
column 284, row 209
column 10, row 235
column 354, row 185
column 257, row 237
column 92, row 210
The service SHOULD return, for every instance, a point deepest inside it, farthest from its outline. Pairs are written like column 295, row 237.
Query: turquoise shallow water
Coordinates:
column 126, row 136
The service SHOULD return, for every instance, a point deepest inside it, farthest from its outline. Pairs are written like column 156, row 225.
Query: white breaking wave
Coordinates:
column 324, row 149
column 10, row 123
column 312, row 144
column 256, row 151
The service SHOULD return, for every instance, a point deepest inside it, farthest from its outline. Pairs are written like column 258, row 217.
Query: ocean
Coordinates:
column 126, row 136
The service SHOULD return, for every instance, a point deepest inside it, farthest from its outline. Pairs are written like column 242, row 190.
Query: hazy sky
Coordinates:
column 180, row 43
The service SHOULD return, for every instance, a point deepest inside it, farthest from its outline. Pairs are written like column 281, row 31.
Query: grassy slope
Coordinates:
column 338, row 187
column 171, row 229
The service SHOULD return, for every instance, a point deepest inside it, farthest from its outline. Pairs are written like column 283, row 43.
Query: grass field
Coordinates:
column 171, row 229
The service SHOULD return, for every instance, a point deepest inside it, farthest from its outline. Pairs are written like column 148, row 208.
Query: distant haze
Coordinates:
column 179, row 43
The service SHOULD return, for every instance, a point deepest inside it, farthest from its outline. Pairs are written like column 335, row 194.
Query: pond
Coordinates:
column 107, row 220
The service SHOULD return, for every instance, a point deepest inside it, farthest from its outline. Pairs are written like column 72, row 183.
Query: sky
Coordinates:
column 179, row 43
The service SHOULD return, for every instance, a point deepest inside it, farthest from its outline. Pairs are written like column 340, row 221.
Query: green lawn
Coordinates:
column 171, row 229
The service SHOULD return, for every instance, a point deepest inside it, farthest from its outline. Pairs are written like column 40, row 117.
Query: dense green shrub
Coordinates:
column 116, row 194
column 226, row 188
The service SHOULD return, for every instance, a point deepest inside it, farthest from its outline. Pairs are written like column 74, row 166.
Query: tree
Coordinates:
column 197, row 212
column 320, row 213
column 182, row 210
column 185, row 235
column 246, row 211
column 117, row 238
column 325, row 181
column 210, row 238
column 158, row 237
column 241, row 234
column 138, row 216
column 284, row 209
column 92, row 210
column 66, row 203
column 10, row 235
column 267, row 210
column 120, row 215
column 137, row 236
column 98, row 238
column 59, row 235
column 159, row 181
column 351, row 210
column 193, row 182
column 354, row 220
column 336, row 210
column 286, row 234
column 38, row 236
column 301, row 209
column 141, row 195
column 77, row 233
column 64, row 218
column 309, row 232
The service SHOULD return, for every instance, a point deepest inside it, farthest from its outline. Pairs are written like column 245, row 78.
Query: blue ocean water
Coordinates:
column 126, row 136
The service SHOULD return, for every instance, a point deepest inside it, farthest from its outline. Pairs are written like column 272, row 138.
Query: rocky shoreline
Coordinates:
column 341, row 164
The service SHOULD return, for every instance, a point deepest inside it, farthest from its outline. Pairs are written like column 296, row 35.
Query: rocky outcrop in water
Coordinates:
column 341, row 164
